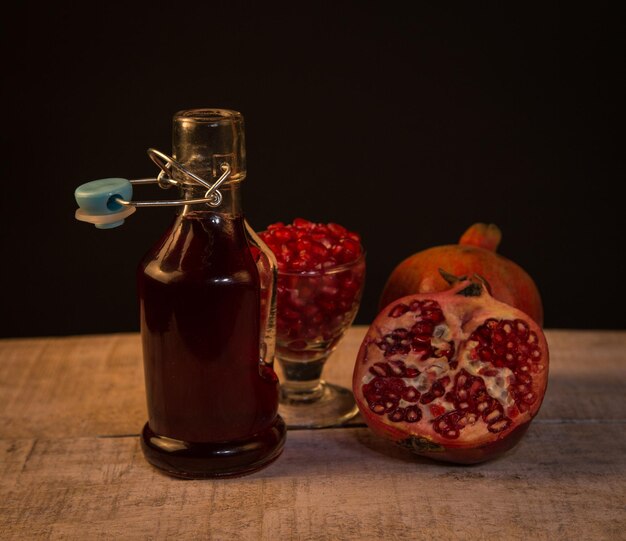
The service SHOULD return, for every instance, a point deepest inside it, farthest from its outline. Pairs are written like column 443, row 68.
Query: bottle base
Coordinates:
column 188, row 460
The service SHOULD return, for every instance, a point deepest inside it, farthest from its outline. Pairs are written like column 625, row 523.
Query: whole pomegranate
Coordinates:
column 454, row 375
column 475, row 253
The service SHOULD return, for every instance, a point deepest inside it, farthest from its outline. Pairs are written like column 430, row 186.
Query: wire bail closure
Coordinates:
column 212, row 196
column 107, row 202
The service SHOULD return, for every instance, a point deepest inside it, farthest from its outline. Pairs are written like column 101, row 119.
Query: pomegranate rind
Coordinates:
column 464, row 455
column 463, row 316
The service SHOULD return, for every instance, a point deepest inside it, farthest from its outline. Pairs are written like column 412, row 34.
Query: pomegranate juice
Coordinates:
column 212, row 405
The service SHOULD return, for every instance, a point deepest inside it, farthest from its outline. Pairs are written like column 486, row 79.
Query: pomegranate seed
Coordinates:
column 437, row 390
column 485, row 354
column 411, row 394
column 396, row 415
column 351, row 246
column 377, row 407
column 506, row 327
column 390, row 404
column 434, row 316
column 500, row 425
column 423, row 329
column 436, row 410
column 303, row 245
column 448, row 425
column 349, row 286
column 380, row 369
column 412, row 414
column 491, row 324
column 283, row 235
column 492, row 415
column 412, row 372
column 338, row 230
column 397, row 368
column 521, row 327
column 493, row 411
column 398, row 310
column 302, row 223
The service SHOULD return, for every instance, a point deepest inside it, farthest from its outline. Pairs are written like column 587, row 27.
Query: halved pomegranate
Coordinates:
column 455, row 375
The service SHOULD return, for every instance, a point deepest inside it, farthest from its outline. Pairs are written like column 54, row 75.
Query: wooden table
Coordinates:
column 71, row 466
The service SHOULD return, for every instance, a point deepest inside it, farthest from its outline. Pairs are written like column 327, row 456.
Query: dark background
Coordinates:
column 406, row 127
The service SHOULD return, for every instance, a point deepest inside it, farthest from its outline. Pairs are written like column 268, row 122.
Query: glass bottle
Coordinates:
column 207, row 309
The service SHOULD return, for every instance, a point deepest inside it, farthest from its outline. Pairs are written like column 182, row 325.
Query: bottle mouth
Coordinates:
column 204, row 139
column 208, row 116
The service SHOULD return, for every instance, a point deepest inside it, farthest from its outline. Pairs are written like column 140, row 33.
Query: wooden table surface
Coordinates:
column 71, row 466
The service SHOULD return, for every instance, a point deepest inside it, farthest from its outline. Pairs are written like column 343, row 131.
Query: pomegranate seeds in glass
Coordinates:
column 321, row 273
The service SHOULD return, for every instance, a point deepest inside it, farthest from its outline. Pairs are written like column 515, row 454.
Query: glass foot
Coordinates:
column 334, row 407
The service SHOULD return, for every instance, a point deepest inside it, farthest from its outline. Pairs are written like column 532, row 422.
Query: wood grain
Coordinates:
column 75, row 386
column 328, row 484
column 71, row 466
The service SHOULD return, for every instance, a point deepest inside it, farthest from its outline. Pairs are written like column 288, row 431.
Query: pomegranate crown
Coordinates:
column 474, row 288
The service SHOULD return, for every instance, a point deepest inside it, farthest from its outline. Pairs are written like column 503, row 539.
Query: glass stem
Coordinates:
column 301, row 380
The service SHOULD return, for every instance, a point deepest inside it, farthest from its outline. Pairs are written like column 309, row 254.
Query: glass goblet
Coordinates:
column 314, row 310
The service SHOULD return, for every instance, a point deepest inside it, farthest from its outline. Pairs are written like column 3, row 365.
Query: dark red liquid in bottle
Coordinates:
column 211, row 402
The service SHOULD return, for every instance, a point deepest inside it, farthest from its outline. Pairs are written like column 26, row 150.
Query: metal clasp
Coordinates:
column 212, row 196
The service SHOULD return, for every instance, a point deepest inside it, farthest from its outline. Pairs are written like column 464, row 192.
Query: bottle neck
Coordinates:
column 203, row 142
column 230, row 205
column 204, row 139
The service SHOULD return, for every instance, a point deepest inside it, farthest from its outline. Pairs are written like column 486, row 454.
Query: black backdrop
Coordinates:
column 404, row 126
